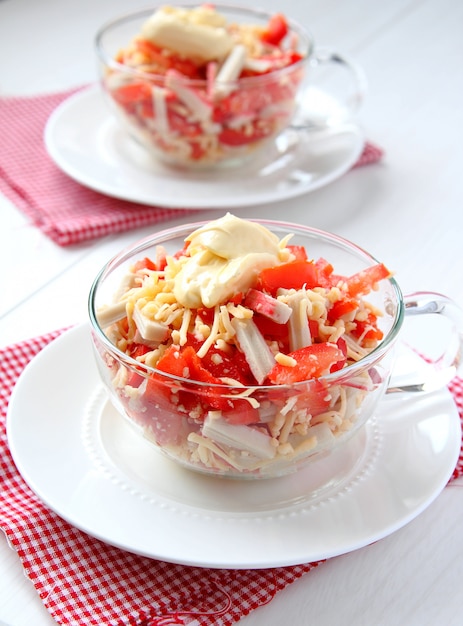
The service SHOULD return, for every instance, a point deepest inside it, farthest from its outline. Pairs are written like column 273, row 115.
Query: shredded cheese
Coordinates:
column 285, row 359
column 213, row 334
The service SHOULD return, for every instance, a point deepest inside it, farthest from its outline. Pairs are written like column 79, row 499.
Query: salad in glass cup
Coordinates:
column 198, row 85
column 246, row 348
column 203, row 85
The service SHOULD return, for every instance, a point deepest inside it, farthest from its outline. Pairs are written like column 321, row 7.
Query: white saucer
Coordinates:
column 85, row 462
column 82, row 138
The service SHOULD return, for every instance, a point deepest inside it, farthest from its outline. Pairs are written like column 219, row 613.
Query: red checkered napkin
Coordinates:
column 84, row 582
column 63, row 209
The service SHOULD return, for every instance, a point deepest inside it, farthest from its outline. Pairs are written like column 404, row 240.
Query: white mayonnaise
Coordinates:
column 226, row 256
column 197, row 33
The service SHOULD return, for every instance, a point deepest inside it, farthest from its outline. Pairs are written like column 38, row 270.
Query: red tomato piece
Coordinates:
column 197, row 150
column 181, row 125
column 206, row 314
column 313, row 325
column 276, row 30
column 325, row 272
column 299, row 252
column 185, row 66
column 132, row 94
column 182, row 363
column 242, row 136
column 292, row 275
column 161, row 391
column 272, row 330
column 237, row 298
column 312, row 361
column 242, row 413
column 175, row 361
column 185, row 362
column 364, row 281
column 342, row 345
column 368, row 330
column 230, row 365
column 152, row 55
column 340, row 308
column 316, row 399
column 156, row 410
column 251, row 100
column 276, row 61
column 135, row 350
column 144, row 264
column 162, row 60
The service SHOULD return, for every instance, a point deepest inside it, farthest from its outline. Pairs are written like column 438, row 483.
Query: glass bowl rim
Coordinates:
column 158, row 237
column 247, row 81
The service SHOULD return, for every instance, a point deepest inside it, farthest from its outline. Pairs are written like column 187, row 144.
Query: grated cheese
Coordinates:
column 213, row 334
column 285, row 359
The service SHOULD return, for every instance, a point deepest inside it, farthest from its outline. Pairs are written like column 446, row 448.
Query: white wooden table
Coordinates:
column 407, row 211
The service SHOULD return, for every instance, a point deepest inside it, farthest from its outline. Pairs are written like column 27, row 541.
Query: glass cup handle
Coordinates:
column 319, row 109
column 440, row 371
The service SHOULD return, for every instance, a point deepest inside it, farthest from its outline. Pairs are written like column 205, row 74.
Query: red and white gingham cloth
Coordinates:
column 84, row 582
column 64, row 210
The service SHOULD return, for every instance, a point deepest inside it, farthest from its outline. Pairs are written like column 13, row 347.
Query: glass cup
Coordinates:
column 191, row 122
column 264, row 431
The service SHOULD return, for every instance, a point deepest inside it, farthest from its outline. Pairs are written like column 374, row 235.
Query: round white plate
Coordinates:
column 83, row 139
column 85, row 462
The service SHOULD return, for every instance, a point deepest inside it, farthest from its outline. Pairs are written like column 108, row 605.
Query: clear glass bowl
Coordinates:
column 257, row 431
column 191, row 122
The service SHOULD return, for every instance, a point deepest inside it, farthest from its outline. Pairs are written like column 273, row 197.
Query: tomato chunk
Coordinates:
column 325, row 272
column 276, row 30
column 160, row 60
column 367, row 330
column 316, row 399
column 312, row 362
column 240, row 137
column 144, row 264
column 135, row 350
column 292, row 275
column 132, row 93
column 364, row 281
column 340, row 308
column 299, row 252
column 185, row 362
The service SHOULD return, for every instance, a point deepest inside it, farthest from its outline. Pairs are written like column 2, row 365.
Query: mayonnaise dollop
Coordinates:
column 197, row 33
column 226, row 256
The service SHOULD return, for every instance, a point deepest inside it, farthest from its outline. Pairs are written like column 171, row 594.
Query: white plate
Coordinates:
column 85, row 462
column 83, row 139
